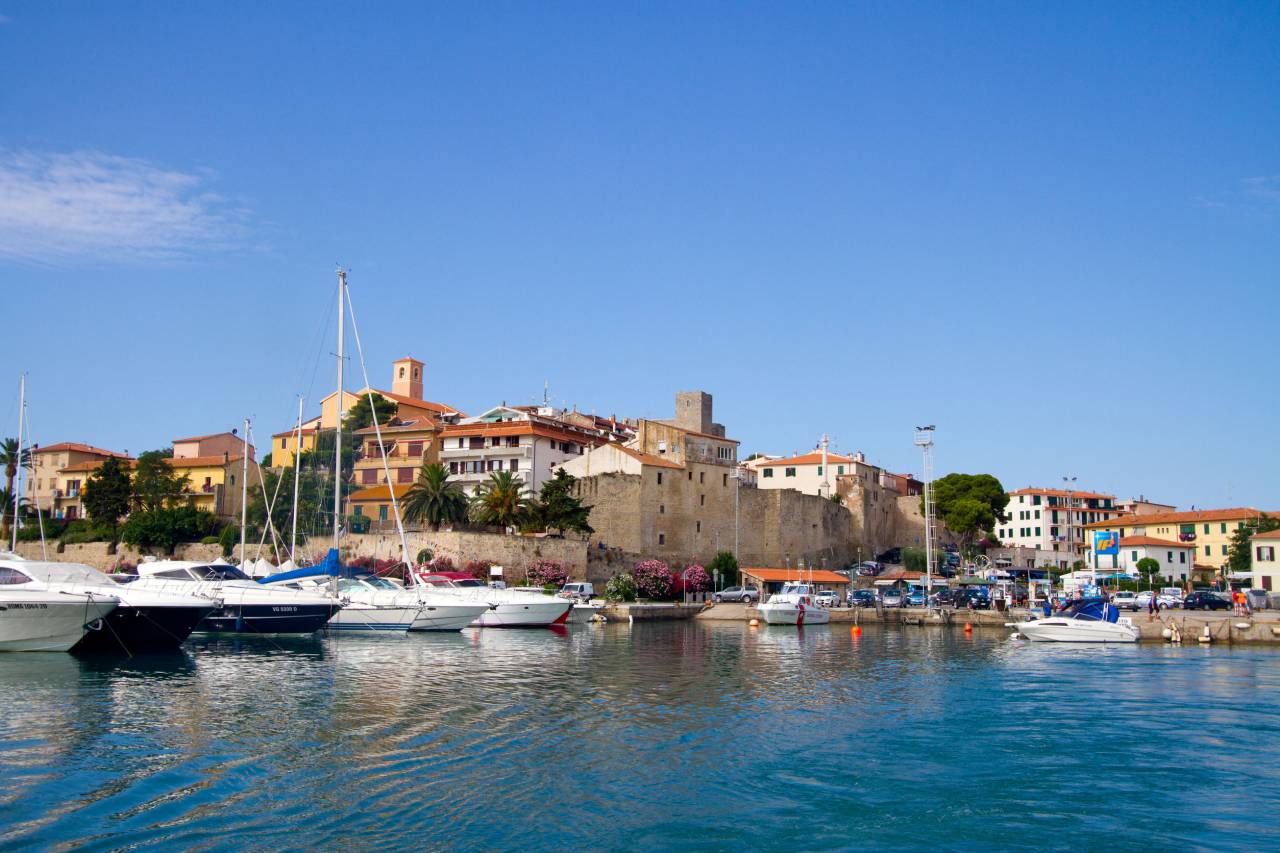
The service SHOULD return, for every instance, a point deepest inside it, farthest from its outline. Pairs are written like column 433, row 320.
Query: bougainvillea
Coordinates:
column 442, row 563
column 696, row 578
column 545, row 572
column 479, row 569
column 653, row 578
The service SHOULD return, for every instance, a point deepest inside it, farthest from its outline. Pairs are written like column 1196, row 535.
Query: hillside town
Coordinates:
column 675, row 489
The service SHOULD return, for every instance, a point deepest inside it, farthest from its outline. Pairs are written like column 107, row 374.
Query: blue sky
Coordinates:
column 1053, row 230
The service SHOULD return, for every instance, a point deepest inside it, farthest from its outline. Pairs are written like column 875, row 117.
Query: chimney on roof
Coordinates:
column 226, row 457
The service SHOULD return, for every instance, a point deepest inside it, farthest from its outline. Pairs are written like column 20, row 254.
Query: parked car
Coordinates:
column 893, row 555
column 916, row 597
column 1142, row 600
column 893, row 597
column 1125, row 600
column 863, row 598
column 828, row 598
column 867, row 569
column 1258, row 599
column 1205, row 600
column 944, row 597
column 577, row 591
column 972, row 596
column 745, row 594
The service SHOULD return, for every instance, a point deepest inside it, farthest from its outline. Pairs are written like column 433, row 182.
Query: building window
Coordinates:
column 1037, row 513
column 768, row 473
column 662, row 509
column 1267, row 553
column 702, row 477
column 368, row 476
column 359, row 510
column 382, row 512
column 1035, row 500
column 662, row 539
column 819, row 470
column 515, row 464
column 1206, row 550
column 702, row 500
column 1168, row 556
column 698, row 529
column 282, row 444
column 725, row 480
column 790, row 472
column 1224, row 550
column 1133, row 555
column 659, row 478
column 453, row 467
column 690, row 476
column 1182, row 556
column 1224, row 527
column 415, row 449
column 1037, row 531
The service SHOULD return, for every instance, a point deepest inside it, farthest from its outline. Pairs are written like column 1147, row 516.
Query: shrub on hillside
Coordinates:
column 620, row 588
column 653, row 578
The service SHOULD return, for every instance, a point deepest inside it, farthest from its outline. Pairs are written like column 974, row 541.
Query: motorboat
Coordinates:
column 36, row 620
column 506, row 607
column 248, row 607
column 1085, row 620
column 583, row 612
column 371, row 603
column 796, row 604
column 143, row 620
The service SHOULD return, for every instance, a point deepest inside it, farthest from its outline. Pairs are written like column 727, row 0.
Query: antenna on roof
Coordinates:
column 546, row 392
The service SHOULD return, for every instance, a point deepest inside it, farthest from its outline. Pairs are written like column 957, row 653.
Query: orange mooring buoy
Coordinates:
column 856, row 630
column 968, row 629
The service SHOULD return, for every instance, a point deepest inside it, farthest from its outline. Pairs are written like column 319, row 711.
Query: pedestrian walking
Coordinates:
column 1153, row 607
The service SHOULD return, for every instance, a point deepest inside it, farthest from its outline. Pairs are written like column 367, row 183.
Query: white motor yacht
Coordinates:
column 506, row 608
column 36, row 620
column 796, row 604
column 248, row 607
column 1086, row 620
column 143, row 620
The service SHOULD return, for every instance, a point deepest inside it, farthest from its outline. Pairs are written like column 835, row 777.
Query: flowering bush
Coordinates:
column 545, row 572
column 479, row 569
column 695, row 578
column 653, row 578
column 124, row 567
column 377, row 567
column 442, row 563
column 620, row 588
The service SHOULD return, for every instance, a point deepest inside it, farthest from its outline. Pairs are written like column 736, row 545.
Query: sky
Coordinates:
column 1051, row 230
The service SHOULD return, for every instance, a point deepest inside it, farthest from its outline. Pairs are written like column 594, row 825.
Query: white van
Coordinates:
column 578, row 591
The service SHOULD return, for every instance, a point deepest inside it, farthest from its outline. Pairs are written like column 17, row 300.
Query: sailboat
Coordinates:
column 370, row 603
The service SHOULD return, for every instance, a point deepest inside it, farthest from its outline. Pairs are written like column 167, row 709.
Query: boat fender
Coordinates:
column 1243, row 626
column 1167, row 633
column 754, row 623
column 1205, row 637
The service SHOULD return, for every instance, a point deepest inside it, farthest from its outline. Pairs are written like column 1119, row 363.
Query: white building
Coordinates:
column 509, row 439
column 1266, row 568
column 1053, row 519
column 805, row 473
column 1176, row 559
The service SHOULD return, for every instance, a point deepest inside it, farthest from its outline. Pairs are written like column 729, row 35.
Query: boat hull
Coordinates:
column 791, row 614
column 131, row 630
column 268, row 619
column 1055, row 630
column 446, row 617
column 581, row 614
column 368, row 618
column 526, row 614
column 44, row 624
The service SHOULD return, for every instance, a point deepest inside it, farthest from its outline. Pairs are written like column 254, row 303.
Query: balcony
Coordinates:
column 457, row 453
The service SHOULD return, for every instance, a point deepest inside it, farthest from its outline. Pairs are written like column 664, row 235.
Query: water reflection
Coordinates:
column 638, row 735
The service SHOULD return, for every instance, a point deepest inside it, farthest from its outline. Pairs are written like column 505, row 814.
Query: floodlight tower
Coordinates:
column 924, row 440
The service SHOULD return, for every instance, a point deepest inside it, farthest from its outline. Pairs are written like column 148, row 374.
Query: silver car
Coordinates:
column 893, row 598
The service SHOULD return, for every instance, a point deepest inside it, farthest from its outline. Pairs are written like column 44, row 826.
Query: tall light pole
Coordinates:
column 1067, row 483
column 924, row 440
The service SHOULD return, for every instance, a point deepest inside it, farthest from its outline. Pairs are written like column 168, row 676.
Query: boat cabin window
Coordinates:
column 380, row 583
column 175, row 574
column 219, row 573
column 12, row 576
column 468, row 582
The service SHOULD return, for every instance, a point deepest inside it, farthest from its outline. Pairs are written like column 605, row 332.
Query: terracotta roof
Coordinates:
column 203, row 437
column 1270, row 534
column 815, row 575
column 646, row 458
column 1238, row 513
column 203, row 461
column 1134, row 541
column 292, row 432
column 1062, row 493
column 380, row 493
column 440, row 408
column 814, row 458
column 82, row 448
column 95, row 464
column 899, row 575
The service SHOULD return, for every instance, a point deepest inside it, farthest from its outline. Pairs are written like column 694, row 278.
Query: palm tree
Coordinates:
column 10, row 459
column 502, row 501
column 434, row 499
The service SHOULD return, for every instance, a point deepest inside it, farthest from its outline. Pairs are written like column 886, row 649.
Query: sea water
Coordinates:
column 645, row 736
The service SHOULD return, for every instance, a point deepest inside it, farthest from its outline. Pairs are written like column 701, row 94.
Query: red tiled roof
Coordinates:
column 1270, row 534
column 1190, row 516
column 814, row 458
column 293, row 432
column 646, row 458
column 95, row 464
column 1062, row 493
column 814, row 575
column 82, row 448
column 203, row 437
column 1135, row 541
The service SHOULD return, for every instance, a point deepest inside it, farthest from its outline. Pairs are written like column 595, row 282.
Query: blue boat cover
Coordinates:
column 330, row 566
column 1096, row 609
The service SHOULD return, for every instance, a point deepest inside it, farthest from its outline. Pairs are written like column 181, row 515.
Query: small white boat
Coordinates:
column 582, row 613
column 796, row 604
column 507, row 608
column 1086, row 620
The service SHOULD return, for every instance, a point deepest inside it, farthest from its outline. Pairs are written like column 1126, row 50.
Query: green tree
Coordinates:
column 1239, row 554
column 360, row 415
column 434, row 499
column 724, row 568
column 155, row 483
column 501, row 501
column 12, row 460
column 557, row 509
column 1149, row 568
column 315, row 498
column 620, row 588
column 970, row 505
column 229, row 538
column 914, row 559
column 108, row 493
column 166, row 527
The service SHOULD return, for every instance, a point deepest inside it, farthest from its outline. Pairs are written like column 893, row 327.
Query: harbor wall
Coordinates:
column 95, row 555
column 513, row 553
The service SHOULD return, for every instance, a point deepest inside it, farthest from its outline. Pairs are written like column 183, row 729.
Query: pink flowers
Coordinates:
column 545, row 572
column 695, row 578
column 653, row 578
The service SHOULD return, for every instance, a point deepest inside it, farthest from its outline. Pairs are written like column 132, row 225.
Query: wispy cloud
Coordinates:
column 88, row 205
column 1257, row 195
column 1265, row 188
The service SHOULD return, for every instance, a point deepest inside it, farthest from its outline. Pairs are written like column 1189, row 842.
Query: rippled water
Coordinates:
column 647, row 736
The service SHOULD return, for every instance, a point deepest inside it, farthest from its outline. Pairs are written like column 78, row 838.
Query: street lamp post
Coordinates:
column 924, row 440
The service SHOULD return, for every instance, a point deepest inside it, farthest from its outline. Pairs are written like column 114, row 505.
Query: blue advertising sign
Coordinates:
column 1106, row 543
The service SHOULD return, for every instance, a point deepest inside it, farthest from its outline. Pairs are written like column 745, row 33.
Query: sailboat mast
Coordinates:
column 244, row 492
column 337, row 442
column 17, row 487
column 297, row 455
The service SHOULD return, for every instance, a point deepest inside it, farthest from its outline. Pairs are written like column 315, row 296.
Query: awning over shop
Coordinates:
column 817, row 576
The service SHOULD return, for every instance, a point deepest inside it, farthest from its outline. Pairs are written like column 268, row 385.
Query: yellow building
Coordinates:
column 59, row 474
column 1209, row 530
column 284, row 445
column 214, row 482
column 407, row 446
column 375, row 504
